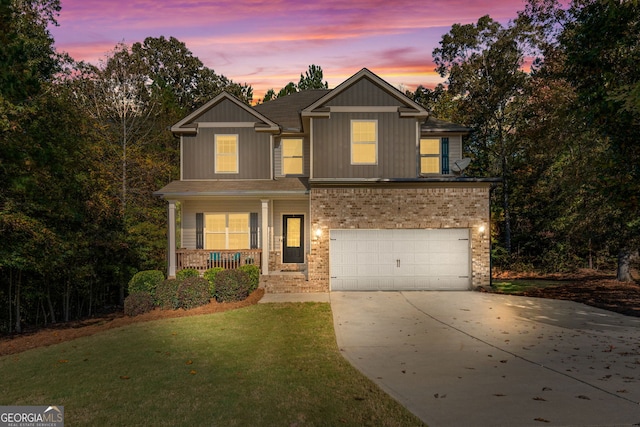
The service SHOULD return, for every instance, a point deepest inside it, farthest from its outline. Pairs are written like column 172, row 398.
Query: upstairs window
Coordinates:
column 292, row 157
column 364, row 142
column 434, row 156
column 226, row 147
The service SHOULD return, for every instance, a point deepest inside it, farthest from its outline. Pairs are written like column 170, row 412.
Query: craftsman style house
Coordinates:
column 354, row 188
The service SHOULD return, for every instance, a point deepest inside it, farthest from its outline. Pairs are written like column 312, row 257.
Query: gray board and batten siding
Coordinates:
column 254, row 148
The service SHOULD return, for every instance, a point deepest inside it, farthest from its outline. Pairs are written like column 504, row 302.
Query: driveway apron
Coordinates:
column 477, row 359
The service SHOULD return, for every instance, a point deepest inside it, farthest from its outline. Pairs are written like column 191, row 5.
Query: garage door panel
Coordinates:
column 399, row 259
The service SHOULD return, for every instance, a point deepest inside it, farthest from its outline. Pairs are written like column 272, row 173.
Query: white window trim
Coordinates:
column 374, row 142
column 282, row 156
column 215, row 153
column 226, row 230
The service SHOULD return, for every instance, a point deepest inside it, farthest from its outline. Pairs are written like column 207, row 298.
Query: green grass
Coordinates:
column 522, row 285
column 264, row 365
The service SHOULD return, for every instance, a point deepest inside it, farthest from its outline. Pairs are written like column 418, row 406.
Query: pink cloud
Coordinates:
column 268, row 43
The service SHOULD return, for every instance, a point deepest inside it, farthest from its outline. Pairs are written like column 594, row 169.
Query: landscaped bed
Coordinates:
column 597, row 289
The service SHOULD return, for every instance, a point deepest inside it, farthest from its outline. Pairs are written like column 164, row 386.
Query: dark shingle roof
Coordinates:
column 436, row 125
column 286, row 110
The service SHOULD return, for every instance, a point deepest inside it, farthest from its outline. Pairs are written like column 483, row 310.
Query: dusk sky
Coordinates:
column 267, row 44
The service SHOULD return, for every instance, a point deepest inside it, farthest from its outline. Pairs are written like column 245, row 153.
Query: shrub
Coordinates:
column 232, row 285
column 193, row 292
column 138, row 302
column 146, row 281
column 187, row 272
column 254, row 276
column 210, row 276
column 167, row 294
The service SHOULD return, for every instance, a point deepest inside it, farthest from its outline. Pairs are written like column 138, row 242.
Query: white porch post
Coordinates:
column 171, row 237
column 265, row 237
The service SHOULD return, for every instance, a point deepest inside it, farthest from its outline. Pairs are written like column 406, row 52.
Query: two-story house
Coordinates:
column 354, row 188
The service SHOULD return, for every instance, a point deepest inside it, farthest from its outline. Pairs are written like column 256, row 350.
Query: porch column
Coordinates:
column 265, row 237
column 171, row 237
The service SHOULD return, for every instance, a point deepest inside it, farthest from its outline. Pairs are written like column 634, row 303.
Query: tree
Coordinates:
column 28, row 62
column 27, row 57
column 312, row 79
column 483, row 65
column 438, row 101
column 602, row 51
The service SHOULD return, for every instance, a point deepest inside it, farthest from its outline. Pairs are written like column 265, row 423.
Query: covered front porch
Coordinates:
column 229, row 224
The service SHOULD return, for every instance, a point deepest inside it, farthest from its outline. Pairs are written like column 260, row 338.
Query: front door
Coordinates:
column 293, row 239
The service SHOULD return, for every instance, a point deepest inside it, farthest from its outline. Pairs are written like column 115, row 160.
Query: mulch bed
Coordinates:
column 71, row 330
column 597, row 289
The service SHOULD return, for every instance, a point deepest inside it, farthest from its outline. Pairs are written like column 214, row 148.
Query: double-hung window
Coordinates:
column 226, row 231
column 434, row 156
column 292, row 156
column 364, row 142
column 226, row 148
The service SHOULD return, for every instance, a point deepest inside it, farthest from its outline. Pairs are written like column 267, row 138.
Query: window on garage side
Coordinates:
column 226, row 147
column 292, row 156
column 434, row 156
column 364, row 142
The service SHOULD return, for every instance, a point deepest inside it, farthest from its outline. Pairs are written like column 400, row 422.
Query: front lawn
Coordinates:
column 264, row 365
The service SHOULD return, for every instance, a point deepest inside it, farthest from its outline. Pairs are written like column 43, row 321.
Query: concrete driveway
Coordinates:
column 477, row 359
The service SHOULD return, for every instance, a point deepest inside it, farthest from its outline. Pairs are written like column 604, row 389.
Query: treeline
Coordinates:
column 82, row 148
column 553, row 98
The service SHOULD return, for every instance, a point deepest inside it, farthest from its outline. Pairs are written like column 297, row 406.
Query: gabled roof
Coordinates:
column 409, row 108
column 286, row 110
column 189, row 126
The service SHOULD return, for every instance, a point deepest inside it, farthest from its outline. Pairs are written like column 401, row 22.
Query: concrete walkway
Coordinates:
column 475, row 359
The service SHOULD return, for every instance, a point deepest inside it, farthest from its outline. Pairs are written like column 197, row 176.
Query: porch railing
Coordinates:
column 204, row 259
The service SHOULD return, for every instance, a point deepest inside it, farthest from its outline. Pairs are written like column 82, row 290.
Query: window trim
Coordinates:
column 283, row 157
column 226, row 232
column 374, row 142
column 442, row 156
column 215, row 153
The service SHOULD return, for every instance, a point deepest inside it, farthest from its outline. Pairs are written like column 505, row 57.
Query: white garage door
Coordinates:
column 399, row 259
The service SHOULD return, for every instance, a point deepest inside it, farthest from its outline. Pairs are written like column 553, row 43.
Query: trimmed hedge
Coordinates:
column 192, row 292
column 232, row 285
column 187, row 272
column 167, row 294
column 146, row 281
column 138, row 302
column 254, row 276
column 210, row 276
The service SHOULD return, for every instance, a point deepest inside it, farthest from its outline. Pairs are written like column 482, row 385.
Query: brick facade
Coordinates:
column 464, row 205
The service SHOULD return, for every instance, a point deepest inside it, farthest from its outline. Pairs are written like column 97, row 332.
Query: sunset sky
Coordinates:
column 266, row 44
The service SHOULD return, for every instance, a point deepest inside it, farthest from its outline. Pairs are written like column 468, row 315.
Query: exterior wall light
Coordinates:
column 318, row 233
column 481, row 230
